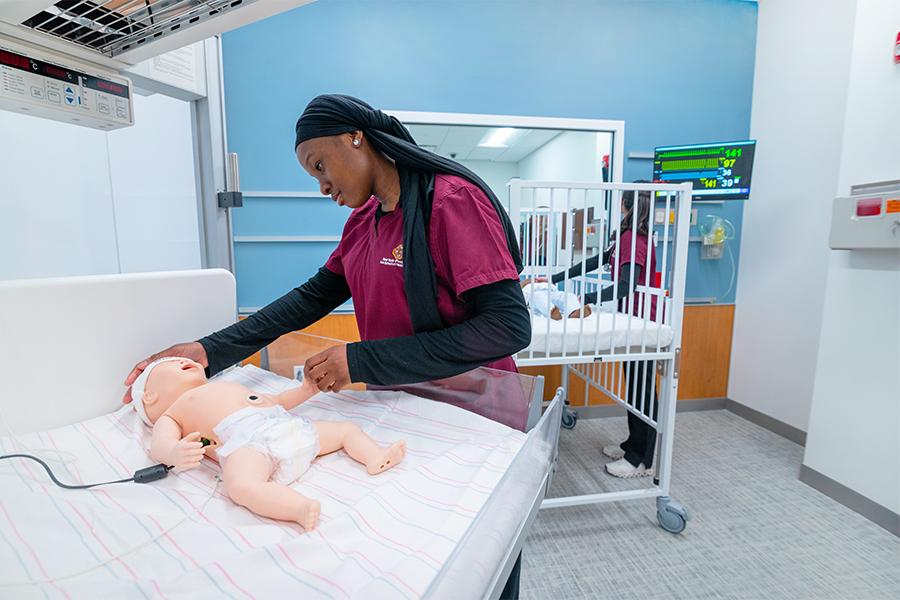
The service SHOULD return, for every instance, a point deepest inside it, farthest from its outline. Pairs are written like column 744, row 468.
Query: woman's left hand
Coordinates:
column 328, row 369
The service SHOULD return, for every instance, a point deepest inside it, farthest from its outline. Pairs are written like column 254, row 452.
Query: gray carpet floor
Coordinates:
column 756, row 531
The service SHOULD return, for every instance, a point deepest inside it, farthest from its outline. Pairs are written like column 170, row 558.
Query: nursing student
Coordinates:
column 428, row 256
column 634, row 456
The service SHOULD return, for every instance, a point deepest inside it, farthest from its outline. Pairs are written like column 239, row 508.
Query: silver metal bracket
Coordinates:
column 677, row 366
column 232, row 198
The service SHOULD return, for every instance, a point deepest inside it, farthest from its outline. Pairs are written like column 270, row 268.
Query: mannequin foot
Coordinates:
column 390, row 457
column 580, row 312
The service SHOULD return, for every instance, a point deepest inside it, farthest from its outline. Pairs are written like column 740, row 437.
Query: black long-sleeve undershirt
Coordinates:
column 500, row 326
column 299, row 308
column 592, row 264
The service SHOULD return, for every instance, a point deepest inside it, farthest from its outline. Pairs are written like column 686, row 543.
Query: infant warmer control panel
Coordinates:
column 868, row 218
column 32, row 82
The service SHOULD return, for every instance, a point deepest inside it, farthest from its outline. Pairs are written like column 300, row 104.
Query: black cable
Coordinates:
column 140, row 476
column 149, row 11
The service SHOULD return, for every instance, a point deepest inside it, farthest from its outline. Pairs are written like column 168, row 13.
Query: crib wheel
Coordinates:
column 671, row 515
column 569, row 418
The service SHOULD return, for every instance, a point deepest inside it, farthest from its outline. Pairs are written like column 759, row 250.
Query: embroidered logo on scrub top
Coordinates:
column 397, row 260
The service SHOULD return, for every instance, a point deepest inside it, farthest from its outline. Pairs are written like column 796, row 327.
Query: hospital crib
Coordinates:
column 561, row 224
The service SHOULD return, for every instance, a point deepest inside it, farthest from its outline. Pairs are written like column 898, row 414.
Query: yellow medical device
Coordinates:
column 715, row 233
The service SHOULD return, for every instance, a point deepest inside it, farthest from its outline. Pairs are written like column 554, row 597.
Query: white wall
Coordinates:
column 854, row 423
column 572, row 155
column 799, row 104
column 56, row 203
column 154, row 186
column 495, row 174
column 77, row 201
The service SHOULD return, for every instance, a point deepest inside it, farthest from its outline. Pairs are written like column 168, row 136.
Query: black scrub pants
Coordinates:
column 641, row 440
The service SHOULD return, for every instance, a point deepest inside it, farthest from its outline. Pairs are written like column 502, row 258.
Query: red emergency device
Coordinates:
column 868, row 207
column 897, row 50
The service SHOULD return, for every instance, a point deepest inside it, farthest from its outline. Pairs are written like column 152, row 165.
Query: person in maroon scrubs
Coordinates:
column 428, row 256
column 634, row 456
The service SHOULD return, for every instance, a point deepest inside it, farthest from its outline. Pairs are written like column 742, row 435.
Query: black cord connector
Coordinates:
column 141, row 476
column 153, row 473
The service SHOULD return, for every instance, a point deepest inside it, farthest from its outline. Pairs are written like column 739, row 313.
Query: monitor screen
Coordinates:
column 718, row 171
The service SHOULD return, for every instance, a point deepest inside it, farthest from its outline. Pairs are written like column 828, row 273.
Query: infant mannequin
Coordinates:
column 262, row 448
column 547, row 301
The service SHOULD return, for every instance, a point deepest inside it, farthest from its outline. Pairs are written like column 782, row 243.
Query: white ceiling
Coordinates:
column 462, row 140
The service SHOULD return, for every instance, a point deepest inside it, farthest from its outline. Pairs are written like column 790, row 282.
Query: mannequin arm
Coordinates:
column 295, row 396
column 168, row 447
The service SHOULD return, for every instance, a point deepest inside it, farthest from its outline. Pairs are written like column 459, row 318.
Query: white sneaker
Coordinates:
column 614, row 451
column 624, row 469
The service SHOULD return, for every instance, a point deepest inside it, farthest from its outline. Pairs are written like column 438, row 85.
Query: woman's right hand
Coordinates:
column 193, row 350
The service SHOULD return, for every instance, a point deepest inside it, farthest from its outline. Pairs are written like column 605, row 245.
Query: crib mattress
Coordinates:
column 600, row 330
column 386, row 536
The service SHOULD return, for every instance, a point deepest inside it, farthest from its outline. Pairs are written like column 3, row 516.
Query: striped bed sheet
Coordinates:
column 387, row 536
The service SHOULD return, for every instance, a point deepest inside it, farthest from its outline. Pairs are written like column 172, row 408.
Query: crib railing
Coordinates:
column 562, row 225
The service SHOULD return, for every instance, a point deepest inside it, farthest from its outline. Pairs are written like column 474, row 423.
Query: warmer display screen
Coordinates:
column 39, row 67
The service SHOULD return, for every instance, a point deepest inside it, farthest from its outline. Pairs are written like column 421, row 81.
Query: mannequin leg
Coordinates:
column 246, row 476
column 334, row 435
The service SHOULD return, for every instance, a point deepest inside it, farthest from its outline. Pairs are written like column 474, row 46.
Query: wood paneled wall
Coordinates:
column 705, row 359
column 705, row 354
column 288, row 350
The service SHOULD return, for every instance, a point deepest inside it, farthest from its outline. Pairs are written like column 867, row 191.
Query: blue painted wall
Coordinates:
column 676, row 71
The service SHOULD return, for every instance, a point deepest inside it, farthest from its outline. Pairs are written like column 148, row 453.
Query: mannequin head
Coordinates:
column 162, row 383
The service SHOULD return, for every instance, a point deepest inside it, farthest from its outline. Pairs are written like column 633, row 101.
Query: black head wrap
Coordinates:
column 334, row 114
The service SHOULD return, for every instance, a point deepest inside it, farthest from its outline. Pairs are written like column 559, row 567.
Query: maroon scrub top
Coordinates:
column 468, row 247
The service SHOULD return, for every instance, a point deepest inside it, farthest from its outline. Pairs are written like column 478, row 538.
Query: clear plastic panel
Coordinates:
column 293, row 349
column 480, row 564
column 501, row 396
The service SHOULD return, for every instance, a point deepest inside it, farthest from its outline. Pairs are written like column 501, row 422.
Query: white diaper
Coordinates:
column 289, row 440
column 543, row 297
